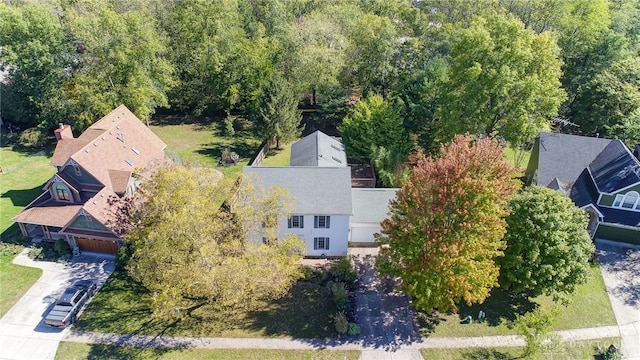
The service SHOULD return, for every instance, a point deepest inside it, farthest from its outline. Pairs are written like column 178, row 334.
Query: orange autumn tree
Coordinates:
column 446, row 225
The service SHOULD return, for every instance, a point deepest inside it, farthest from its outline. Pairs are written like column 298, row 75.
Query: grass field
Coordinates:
column 519, row 158
column 501, row 310
column 69, row 350
column 573, row 350
column 23, row 175
column 202, row 143
column 124, row 307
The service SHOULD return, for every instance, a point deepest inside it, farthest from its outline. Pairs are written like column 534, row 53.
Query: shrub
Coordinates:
column 307, row 273
column 228, row 126
column 33, row 137
column 354, row 329
column 340, row 296
column 342, row 271
column 341, row 322
column 535, row 327
column 62, row 247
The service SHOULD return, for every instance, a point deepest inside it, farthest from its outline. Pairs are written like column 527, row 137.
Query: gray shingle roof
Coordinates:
column 371, row 205
column 564, row 156
column 318, row 149
column 615, row 168
column 317, row 190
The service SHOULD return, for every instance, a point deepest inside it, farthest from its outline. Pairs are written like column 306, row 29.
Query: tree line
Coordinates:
column 507, row 68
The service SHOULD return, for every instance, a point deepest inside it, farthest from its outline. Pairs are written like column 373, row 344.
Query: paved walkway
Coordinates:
column 23, row 333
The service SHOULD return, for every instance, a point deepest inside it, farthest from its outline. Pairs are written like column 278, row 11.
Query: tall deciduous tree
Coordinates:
column 548, row 246
column 34, row 55
column 374, row 122
column 446, row 226
column 123, row 60
column 189, row 251
column 276, row 113
column 504, row 81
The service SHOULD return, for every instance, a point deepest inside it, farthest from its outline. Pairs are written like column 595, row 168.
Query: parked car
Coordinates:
column 66, row 309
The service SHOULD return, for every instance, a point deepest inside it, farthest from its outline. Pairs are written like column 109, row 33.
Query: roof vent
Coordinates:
column 129, row 161
column 104, row 138
column 86, row 150
column 95, row 144
column 336, row 159
column 135, row 150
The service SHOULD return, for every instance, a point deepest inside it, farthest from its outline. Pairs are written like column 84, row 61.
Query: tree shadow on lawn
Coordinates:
column 99, row 351
column 23, row 197
column 304, row 313
column 501, row 307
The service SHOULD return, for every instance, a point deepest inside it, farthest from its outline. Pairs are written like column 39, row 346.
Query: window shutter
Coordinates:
column 289, row 222
column 301, row 222
column 327, row 222
column 326, row 244
column 315, row 222
column 315, row 243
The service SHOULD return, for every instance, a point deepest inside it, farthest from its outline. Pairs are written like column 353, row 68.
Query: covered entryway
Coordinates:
column 99, row 246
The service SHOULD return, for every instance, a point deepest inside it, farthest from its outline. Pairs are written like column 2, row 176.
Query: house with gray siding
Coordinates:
column 601, row 176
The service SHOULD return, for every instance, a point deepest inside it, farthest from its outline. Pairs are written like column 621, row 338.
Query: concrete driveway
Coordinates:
column 23, row 333
column 620, row 268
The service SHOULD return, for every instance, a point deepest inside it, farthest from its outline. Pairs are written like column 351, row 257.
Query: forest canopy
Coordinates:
column 449, row 64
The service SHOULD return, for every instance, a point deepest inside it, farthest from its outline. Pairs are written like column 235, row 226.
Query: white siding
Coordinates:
column 338, row 233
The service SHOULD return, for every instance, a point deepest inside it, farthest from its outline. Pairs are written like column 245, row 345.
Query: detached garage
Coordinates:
column 370, row 207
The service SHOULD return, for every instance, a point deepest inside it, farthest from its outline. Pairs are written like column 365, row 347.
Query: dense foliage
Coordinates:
column 489, row 67
column 548, row 246
column 188, row 250
column 445, row 227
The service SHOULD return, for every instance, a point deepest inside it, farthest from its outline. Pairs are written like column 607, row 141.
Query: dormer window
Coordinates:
column 62, row 192
column 630, row 200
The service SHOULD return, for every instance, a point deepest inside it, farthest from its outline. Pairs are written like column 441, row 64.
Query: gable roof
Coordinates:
column 317, row 190
column 615, row 168
column 109, row 151
column 371, row 205
column 123, row 143
column 318, row 149
column 563, row 156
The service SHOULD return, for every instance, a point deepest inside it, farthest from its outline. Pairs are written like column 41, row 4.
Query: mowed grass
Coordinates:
column 518, row 158
column 69, row 350
column 122, row 306
column 21, row 181
column 15, row 280
column 573, row 350
column 588, row 307
column 278, row 157
column 202, row 143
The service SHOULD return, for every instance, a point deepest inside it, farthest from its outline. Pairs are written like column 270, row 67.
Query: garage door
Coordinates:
column 364, row 234
column 101, row 246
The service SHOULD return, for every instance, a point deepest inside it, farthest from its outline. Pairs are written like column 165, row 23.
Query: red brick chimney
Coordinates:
column 63, row 132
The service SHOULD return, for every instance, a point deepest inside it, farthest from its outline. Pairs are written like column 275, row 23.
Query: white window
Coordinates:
column 296, row 221
column 618, row 200
column 630, row 200
column 321, row 243
column 321, row 222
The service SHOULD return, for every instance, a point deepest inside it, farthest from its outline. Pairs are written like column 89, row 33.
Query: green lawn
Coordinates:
column 577, row 350
column 22, row 178
column 519, row 158
column 69, row 350
column 278, row 157
column 124, row 307
column 15, row 280
column 589, row 307
column 202, row 143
